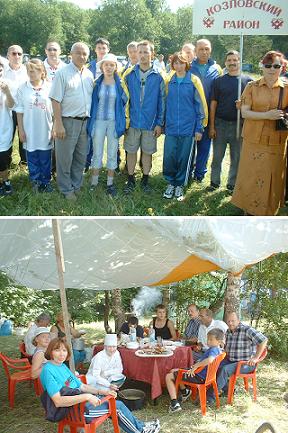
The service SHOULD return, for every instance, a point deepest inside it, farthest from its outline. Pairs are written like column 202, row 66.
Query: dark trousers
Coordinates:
column 22, row 152
column 39, row 166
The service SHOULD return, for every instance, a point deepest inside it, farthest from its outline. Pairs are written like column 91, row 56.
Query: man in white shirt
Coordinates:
column 71, row 95
column 207, row 323
column 43, row 320
column 106, row 366
column 53, row 62
column 16, row 73
column 159, row 64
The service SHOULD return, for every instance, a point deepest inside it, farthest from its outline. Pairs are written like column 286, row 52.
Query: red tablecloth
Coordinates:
column 152, row 370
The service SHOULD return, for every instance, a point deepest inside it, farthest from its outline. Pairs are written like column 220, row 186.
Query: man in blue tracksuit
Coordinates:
column 207, row 70
column 145, row 113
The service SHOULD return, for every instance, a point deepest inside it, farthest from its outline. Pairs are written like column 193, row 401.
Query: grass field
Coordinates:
column 197, row 202
column 243, row 417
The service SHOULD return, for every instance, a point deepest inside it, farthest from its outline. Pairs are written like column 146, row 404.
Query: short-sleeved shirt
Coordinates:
column 225, row 92
column 242, row 343
column 211, row 351
column 203, row 331
column 73, row 90
column 51, row 70
column 192, row 328
column 16, row 77
column 36, row 107
column 54, row 377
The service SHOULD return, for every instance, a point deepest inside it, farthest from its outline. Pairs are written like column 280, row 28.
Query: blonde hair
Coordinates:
column 37, row 64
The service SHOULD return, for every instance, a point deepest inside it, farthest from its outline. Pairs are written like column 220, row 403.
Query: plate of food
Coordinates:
column 154, row 352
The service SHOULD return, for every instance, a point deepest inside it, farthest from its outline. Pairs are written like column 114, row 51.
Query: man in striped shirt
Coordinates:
column 192, row 328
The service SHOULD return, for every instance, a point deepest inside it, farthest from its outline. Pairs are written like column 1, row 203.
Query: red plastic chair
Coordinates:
column 246, row 377
column 22, row 374
column 76, row 418
column 23, row 352
column 202, row 388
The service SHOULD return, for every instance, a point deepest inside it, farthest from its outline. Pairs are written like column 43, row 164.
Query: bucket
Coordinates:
column 134, row 399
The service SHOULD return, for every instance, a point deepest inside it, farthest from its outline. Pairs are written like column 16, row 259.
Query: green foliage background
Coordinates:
column 30, row 23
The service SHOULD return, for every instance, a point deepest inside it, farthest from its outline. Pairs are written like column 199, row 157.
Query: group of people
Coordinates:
column 74, row 107
column 208, row 338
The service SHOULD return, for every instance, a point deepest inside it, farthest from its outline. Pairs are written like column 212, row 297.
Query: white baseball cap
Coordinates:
column 108, row 58
column 110, row 340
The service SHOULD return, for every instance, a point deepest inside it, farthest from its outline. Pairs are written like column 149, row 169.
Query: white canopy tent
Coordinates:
column 103, row 254
column 120, row 253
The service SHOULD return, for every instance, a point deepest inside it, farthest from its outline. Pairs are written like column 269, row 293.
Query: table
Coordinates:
column 152, row 370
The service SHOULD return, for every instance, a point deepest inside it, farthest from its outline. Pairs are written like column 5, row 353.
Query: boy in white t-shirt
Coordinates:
column 6, row 133
column 34, row 114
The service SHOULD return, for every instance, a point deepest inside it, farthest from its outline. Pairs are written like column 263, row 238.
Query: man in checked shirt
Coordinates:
column 243, row 343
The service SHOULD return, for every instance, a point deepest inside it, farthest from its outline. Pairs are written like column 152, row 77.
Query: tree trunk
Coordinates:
column 166, row 296
column 106, row 313
column 117, row 309
column 232, row 295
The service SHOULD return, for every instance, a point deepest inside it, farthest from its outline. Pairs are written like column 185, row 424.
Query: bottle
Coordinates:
column 151, row 334
column 133, row 334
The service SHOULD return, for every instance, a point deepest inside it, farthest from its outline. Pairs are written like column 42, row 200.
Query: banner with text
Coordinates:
column 249, row 17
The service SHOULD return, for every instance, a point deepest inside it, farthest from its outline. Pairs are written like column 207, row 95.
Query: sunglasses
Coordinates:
column 269, row 66
column 51, row 49
column 14, row 53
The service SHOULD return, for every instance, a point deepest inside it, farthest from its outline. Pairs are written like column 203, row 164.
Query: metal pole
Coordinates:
column 239, row 87
column 61, row 270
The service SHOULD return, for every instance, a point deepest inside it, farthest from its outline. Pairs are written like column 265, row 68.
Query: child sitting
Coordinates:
column 34, row 115
column 214, row 338
column 106, row 366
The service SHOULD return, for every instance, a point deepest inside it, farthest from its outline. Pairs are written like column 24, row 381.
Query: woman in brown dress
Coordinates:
column 261, row 179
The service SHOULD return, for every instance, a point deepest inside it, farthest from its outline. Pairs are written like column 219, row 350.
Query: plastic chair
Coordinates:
column 22, row 374
column 23, row 352
column 202, row 387
column 246, row 377
column 76, row 419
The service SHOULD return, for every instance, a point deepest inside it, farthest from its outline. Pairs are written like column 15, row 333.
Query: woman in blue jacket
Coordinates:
column 186, row 117
column 107, row 120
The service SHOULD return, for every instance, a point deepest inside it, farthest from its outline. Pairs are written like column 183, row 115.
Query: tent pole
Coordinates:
column 238, row 127
column 61, row 270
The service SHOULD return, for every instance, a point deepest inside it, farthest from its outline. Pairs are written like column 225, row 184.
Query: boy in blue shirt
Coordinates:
column 215, row 337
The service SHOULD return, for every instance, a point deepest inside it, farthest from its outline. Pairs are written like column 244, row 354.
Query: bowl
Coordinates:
column 134, row 399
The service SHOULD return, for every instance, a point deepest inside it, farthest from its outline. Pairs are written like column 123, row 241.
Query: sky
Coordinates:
column 173, row 4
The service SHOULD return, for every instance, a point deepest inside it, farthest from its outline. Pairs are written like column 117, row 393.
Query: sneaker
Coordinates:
column 129, row 187
column 179, row 193
column 212, row 187
column 7, row 187
column 151, row 426
column 174, row 407
column 197, row 179
column 186, row 395
column 2, row 190
column 46, row 188
column 230, row 188
column 169, row 191
column 111, row 190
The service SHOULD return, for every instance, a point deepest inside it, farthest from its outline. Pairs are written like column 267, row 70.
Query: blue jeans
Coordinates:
column 226, row 369
column 39, row 166
column 127, row 421
column 175, row 161
column 103, row 129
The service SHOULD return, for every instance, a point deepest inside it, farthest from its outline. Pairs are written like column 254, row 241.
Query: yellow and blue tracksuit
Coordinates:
column 151, row 111
column 207, row 74
column 186, row 114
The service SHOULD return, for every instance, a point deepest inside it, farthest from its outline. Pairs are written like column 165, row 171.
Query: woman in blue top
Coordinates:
column 186, row 116
column 55, row 375
column 107, row 120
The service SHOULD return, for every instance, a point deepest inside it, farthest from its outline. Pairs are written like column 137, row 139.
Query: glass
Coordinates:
column 159, row 341
column 269, row 66
column 14, row 53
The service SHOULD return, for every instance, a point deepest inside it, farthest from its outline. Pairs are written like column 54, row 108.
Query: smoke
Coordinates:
column 146, row 299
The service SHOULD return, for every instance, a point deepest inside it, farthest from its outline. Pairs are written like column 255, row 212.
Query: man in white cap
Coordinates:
column 106, row 366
